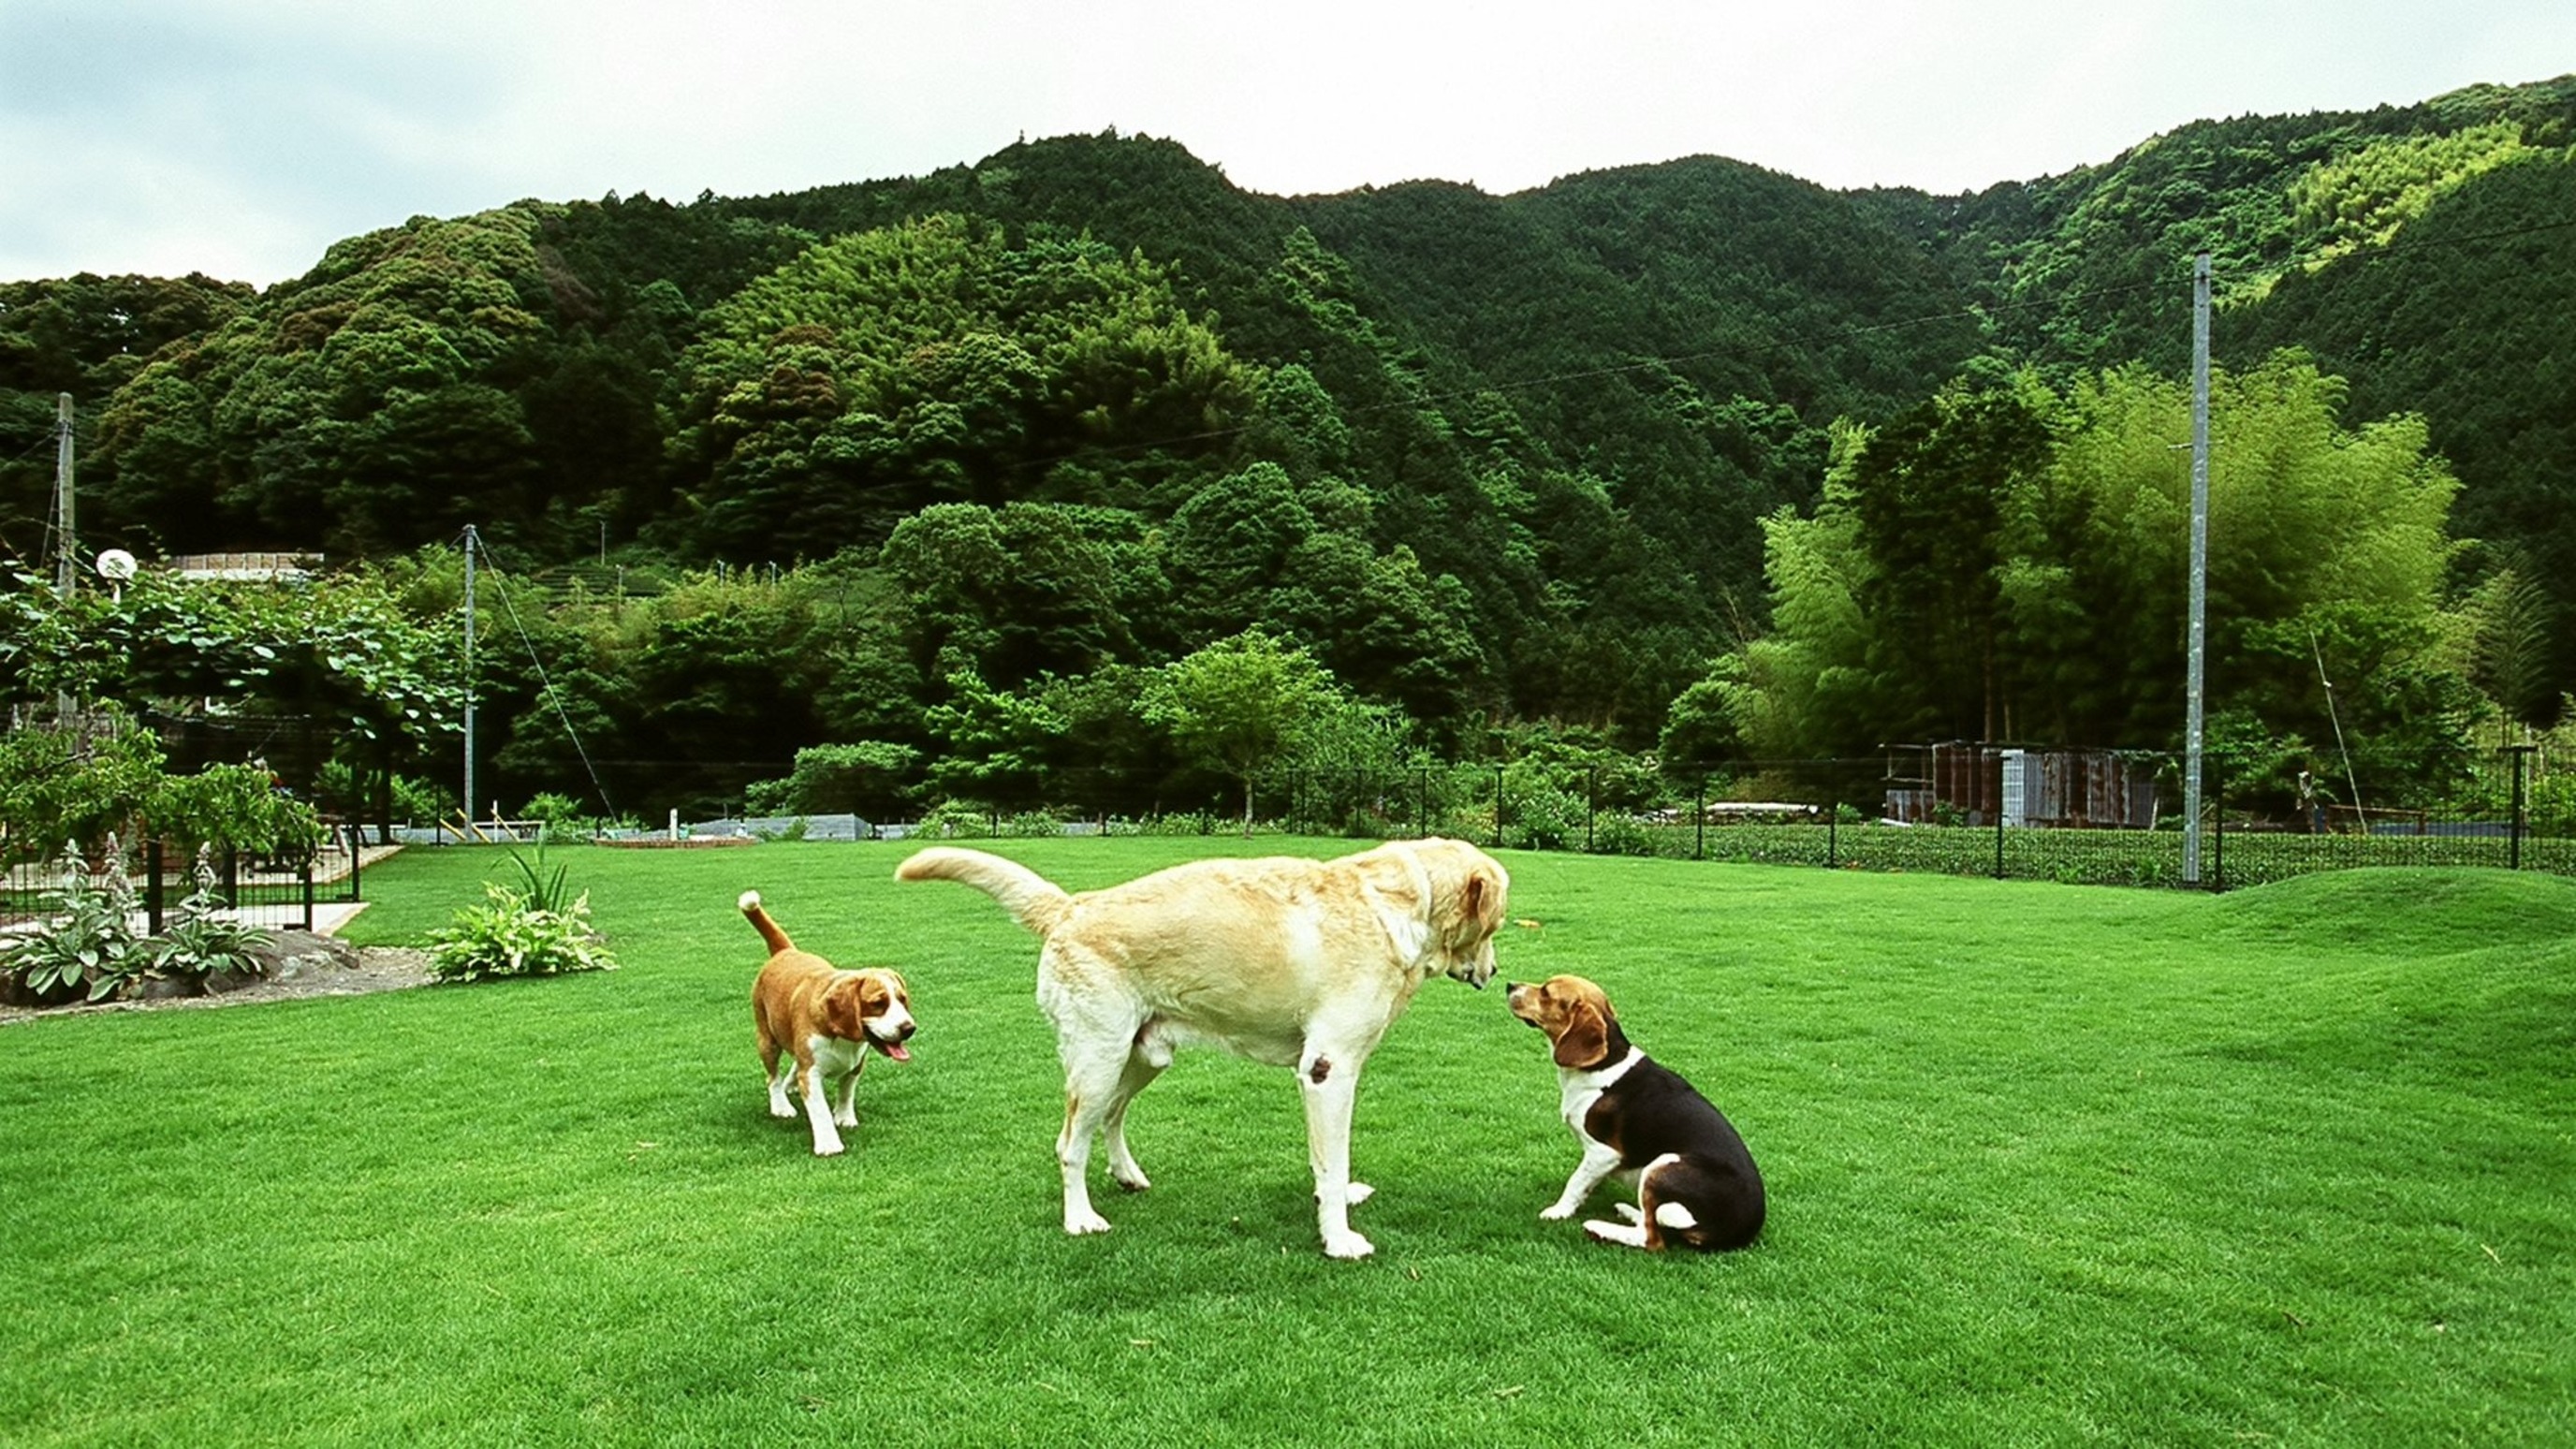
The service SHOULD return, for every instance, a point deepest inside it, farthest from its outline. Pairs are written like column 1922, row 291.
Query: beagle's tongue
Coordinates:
column 895, row 1051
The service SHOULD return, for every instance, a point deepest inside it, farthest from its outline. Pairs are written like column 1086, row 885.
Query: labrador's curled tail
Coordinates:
column 1034, row 901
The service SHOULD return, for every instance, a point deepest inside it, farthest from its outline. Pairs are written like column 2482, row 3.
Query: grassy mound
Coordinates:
column 2405, row 912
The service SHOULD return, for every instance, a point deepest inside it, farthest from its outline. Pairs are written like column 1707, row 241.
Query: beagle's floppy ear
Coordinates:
column 843, row 1007
column 1586, row 1038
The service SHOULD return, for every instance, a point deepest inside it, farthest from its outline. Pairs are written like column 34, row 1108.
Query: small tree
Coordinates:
column 864, row 778
column 1240, row 704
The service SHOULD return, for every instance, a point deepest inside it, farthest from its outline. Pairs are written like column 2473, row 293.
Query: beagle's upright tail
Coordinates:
column 1034, row 901
column 768, row 928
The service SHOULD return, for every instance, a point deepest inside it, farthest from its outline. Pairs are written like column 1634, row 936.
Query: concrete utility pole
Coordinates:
column 2194, row 689
column 66, row 521
column 470, row 542
column 66, row 505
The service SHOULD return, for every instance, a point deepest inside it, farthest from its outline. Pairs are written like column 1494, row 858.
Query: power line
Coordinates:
column 554, row 697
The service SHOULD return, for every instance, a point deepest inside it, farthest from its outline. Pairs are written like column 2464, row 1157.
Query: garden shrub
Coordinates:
column 71, row 783
column 560, row 814
column 1621, row 835
column 538, row 931
column 1543, row 818
column 508, row 936
column 1174, row 823
column 1033, row 825
column 955, row 820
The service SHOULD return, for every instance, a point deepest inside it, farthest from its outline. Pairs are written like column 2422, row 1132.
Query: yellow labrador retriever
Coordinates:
column 1295, row 963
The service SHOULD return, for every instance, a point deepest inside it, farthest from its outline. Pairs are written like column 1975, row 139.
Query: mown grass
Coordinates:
column 2047, row 1165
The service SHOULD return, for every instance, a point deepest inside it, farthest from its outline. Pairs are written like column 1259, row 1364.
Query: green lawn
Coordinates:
column 2047, row 1164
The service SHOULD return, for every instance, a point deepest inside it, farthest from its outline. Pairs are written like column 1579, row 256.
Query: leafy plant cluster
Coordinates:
column 85, row 943
column 370, row 677
column 536, row 928
column 76, row 782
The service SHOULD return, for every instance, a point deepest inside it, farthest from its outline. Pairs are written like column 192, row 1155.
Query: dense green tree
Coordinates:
column 85, row 336
column 1013, row 593
column 867, row 778
column 994, row 746
column 2054, row 606
column 1930, row 494
column 896, row 368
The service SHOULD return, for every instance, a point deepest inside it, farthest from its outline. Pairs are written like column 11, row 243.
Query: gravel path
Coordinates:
column 377, row 968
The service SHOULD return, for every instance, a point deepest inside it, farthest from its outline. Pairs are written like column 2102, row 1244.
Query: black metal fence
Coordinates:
column 2079, row 817
column 282, row 893
column 258, row 887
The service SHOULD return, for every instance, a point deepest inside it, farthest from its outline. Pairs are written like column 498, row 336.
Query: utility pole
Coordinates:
column 66, row 504
column 470, row 542
column 2195, row 688
column 66, row 521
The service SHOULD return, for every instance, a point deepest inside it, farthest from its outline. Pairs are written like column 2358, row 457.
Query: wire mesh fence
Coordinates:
column 275, row 891
column 2077, row 817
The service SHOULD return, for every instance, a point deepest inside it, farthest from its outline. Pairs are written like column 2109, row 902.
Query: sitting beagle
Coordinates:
column 1695, row 1181
column 825, row 1020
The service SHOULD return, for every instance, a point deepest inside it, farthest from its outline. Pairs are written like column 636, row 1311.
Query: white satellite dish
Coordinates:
column 116, row 565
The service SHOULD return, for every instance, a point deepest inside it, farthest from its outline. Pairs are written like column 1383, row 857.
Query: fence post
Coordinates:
column 1833, row 820
column 1699, row 820
column 306, row 870
column 1999, row 812
column 1591, row 802
column 2521, row 756
column 357, row 847
column 1498, row 807
column 2218, row 833
column 152, row 885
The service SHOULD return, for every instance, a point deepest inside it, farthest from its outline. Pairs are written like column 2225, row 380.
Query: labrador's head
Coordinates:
column 1470, row 891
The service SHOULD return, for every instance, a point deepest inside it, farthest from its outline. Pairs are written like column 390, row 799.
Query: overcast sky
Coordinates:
column 241, row 137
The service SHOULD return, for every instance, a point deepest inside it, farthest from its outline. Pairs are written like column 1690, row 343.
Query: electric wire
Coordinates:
column 546, row 682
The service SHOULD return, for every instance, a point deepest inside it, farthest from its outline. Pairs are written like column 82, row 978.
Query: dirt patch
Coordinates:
column 355, row 973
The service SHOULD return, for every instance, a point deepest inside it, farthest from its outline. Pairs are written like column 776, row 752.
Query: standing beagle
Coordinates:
column 816, row 1024
column 1695, row 1180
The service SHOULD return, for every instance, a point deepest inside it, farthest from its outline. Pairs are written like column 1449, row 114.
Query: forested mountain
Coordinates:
column 1086, row 405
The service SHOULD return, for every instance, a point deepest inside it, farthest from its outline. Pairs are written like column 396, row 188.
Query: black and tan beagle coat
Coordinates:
column 816, row 1025
column 1696, row 1183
